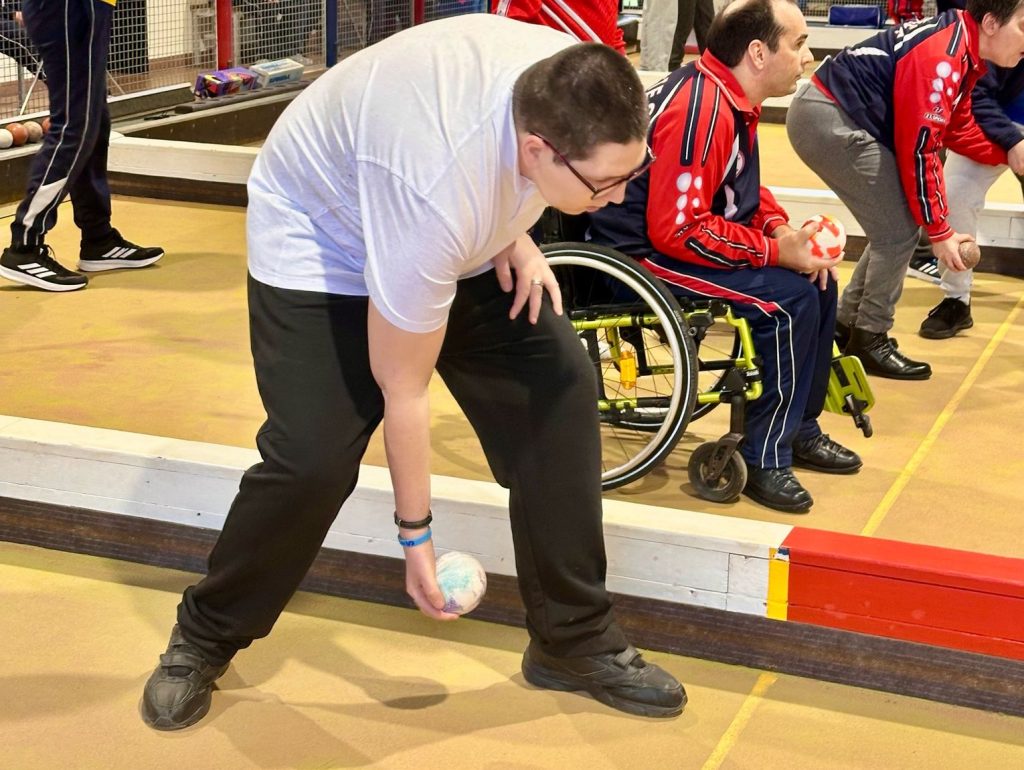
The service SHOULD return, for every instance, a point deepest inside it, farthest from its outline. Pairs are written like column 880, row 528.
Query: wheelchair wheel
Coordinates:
column 730, row 482
column 644, row 359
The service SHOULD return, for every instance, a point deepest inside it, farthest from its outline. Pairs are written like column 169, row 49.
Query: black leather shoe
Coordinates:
column 777, row 488
column 879, row 355
column 622, row 680
column 842, row 337
column 179, row 691
column 823, row 454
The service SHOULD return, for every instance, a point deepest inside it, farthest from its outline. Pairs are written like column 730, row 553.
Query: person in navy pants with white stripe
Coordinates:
column 701, row 222
column 73, row 38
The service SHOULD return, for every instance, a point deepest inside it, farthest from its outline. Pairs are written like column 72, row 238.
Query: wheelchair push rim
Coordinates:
column 644, row 359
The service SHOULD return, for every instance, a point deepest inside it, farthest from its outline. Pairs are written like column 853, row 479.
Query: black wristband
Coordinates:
column 424, row 522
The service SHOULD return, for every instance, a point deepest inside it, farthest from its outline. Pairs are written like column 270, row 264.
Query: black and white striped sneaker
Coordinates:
column 35, row 266
column 115, row 253
column 925, row 267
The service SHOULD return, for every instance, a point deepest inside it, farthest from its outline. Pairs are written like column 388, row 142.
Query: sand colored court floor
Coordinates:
column 343, row 684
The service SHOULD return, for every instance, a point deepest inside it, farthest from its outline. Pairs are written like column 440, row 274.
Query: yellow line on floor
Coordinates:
column 739, row 722
column 918, row 457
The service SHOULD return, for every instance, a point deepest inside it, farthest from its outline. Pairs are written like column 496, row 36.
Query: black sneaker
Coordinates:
column 179, row 691
column 946, row 319
column 115, row 253
column 36, row 266
column 926, row 268
column 622, row 680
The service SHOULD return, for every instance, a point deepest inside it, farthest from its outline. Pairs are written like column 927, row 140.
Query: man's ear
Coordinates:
column 531, row 148
column 989, row 24
column 757, row 51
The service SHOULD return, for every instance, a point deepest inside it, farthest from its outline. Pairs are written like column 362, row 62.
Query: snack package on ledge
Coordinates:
column 227, row 81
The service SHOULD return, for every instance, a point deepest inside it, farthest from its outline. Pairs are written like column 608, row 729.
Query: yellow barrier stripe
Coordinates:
column 739, row 722
column 778, row 584
column 876, row 519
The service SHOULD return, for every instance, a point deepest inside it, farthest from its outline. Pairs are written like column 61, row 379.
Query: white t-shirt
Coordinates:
column 395, row 173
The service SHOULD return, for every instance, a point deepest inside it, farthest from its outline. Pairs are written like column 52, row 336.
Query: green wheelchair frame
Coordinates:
column 646, row 347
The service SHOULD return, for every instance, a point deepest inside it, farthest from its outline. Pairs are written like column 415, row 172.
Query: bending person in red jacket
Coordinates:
column 871, row 124
column 589, row 21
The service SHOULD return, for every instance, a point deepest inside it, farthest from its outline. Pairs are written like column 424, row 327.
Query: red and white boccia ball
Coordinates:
column 830, row 240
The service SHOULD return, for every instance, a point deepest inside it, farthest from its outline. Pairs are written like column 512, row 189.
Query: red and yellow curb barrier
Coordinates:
column 940, row 596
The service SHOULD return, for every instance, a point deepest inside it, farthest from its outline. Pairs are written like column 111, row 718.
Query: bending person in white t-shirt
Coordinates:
column 388, row 213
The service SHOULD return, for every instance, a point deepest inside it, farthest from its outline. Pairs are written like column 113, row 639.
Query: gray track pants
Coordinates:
column 863, row 174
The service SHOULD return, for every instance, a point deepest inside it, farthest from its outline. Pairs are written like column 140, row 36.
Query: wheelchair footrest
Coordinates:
column 849, row 391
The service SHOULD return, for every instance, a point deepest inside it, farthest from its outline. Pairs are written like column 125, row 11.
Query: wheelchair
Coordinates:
column 662, row 362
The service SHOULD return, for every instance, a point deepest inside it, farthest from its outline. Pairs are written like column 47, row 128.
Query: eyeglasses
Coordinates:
column 597, row 191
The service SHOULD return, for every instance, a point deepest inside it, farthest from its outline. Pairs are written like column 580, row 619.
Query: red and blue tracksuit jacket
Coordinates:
column 910, row 88
column 702, row 201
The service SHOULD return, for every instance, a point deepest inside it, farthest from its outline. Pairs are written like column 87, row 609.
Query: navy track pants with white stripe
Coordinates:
column 793, row 323
column 73, row 38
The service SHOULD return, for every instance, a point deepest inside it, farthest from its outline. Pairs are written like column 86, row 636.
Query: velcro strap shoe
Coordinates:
column 179, row 691
column 622, row 680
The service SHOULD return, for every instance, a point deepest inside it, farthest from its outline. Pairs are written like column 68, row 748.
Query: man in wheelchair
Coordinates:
column 701, row 221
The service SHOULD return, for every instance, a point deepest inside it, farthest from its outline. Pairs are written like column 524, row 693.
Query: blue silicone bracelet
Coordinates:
column 414, row 541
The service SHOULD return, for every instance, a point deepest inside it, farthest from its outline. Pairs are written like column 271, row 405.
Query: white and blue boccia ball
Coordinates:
column 462, row 581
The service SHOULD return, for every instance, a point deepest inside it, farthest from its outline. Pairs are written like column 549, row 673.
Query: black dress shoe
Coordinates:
column 879, row 355
column 777, row 488
column 179, row 691
column 823, row 454
column 622, row 680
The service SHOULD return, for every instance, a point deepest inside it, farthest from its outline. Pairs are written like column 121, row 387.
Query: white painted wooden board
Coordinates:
column 661, row 553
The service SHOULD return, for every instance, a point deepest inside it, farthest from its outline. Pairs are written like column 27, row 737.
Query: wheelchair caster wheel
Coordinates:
column 729, row 483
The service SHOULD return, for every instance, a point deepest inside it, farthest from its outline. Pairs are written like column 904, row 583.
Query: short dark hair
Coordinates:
column 732, row 33
column 1001, row 10
column 583, row 96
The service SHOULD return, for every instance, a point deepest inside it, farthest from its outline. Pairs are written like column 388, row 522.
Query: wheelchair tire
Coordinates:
column 599, row 283
column 728, row 486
